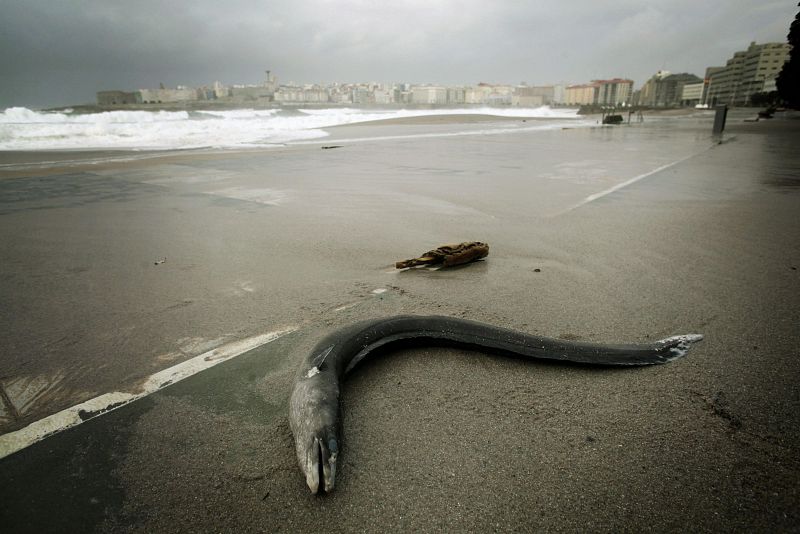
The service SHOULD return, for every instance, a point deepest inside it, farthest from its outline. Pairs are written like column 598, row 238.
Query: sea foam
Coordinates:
column 25, row 129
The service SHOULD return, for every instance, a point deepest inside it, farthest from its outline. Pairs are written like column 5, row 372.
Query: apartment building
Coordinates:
column 614, row 92
column 428, row 94
column 747, row 72
column 534, row 96
column 665, row 89
column 579, row 95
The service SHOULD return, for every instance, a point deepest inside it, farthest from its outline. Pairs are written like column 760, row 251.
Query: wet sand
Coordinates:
column 435, row 439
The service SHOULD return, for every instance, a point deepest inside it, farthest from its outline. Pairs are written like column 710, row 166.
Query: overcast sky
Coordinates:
column 58, row 52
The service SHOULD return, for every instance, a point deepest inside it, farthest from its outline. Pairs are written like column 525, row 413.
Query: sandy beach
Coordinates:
column 602, row 234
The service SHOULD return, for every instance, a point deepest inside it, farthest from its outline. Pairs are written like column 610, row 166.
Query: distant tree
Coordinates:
column 788, row 81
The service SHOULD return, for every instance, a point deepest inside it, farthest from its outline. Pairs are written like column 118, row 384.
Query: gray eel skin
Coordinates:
column 314, row 404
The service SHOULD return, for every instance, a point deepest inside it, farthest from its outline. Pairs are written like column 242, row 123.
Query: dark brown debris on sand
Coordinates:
column 449, row 255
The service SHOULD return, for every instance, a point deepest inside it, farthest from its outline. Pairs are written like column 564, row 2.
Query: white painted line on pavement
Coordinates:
column 75, row 415
column 626, row 183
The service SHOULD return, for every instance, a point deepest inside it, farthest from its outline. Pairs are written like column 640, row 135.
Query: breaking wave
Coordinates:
column 25, row 129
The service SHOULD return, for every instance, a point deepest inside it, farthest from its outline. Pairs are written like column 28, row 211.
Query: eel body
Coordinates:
column 314, row 403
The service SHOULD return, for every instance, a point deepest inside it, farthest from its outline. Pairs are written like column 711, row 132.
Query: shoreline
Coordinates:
column 19, row 163
column 22, row 156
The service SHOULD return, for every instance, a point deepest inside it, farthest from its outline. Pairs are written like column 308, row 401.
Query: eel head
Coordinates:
column 313, row 416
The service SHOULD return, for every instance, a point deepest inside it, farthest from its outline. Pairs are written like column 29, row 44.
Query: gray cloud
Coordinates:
column 63, row 52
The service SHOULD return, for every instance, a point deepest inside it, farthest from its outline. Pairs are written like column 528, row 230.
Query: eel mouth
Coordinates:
column 321, row 465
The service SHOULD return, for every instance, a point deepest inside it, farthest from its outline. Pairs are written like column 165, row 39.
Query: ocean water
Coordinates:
column 25, row 129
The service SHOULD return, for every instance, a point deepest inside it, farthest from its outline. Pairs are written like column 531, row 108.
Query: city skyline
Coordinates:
column 63, row 55
column 615, row 91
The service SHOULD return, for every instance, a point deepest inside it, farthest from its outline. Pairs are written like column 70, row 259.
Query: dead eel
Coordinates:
column 314, row 403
